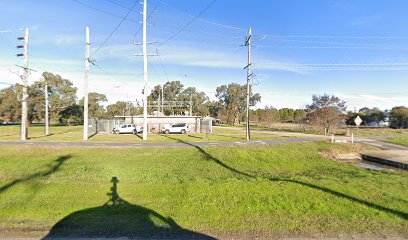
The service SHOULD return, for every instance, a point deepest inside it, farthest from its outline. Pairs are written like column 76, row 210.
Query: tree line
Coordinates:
column 326, row 112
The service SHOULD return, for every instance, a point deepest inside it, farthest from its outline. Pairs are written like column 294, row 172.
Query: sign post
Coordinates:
column 358, row 122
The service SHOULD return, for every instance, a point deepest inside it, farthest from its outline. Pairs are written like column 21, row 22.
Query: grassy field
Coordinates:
column 263, row 191
column 399, row 140
column 364, row 132
column 74, row 133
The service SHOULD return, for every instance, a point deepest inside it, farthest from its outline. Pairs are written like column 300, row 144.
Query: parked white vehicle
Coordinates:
column 128, row 128
column 176, row 128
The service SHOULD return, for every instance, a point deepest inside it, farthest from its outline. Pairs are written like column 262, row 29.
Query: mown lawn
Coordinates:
column 75, row 133
column 283, row 190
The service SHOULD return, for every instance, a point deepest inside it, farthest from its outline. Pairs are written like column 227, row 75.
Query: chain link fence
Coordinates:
column 106, row 126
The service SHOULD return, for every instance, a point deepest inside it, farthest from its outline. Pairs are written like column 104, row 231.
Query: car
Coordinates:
column 176, row 128
column 128, row 128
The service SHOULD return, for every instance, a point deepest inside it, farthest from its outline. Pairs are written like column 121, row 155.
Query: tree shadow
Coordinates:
column 118, row 218
column 209, row 157
column 48, row 172
column 57, row 133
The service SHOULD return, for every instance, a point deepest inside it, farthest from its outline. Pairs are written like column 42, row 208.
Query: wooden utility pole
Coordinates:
column 145, row 70
column 86, row 123
column 24, row 113
column 158, row 101
column 249, row 77
column 191, row 103
column 46, row 109
column 162, row 98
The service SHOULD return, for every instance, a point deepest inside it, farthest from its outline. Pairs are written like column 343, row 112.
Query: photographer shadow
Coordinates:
column 118, row 218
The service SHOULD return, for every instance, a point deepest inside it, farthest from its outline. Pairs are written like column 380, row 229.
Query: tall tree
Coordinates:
column 95, row 105
column 399, row 117
column 62, row 94
column 327, row 112
column 121, row 108
column 233, row 97
column 175, row 91
column 199, row 101
column 10, row 107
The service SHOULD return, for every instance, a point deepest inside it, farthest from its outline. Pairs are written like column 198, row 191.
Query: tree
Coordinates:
column 326, row 112
column 10, row 107
column 266, row 116
column 95, row 107
column 199, row 101
column 36, row 102
column 62, row 94
column 121, row 108
column 286, row 115
column 299, row 115
column 372, row 115
column 175, row 91
column 399, row 117
column 72, row 114
column 233, row 98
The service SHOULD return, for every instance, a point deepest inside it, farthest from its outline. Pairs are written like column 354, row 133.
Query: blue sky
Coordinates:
column 355, row 49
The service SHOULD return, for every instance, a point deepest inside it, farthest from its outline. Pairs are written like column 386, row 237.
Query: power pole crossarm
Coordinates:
column 86, row 123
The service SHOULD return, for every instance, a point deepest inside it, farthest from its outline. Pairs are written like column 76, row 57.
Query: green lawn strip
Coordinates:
column 282, row 189
column 398, row 140
column 74, row 134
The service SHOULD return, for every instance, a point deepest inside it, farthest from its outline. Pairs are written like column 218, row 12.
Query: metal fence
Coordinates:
column 106, row 126
column 206, row 126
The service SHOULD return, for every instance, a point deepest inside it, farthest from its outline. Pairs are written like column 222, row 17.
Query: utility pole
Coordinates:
column 162, row 99
column 158, row 101
column 46, row 109
column 86, row 123
column 191, row 102
column 249, row 77
column 145, row 70
column 24, row 112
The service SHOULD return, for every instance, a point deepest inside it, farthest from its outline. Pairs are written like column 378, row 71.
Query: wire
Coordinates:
column 114, row 30
column 161, row 62
column 188, row 24
column 102, row 11
column 332, row 47
column 327, row 36
column 206, row 21
column 148, row 17
column 120, row 5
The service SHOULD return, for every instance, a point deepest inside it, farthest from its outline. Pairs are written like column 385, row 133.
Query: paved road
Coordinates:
column 154, row 144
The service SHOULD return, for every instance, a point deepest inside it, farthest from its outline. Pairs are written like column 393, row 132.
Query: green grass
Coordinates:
column 287, row 190
column 398, row 140
column 74, row 133
column 367, row 132
column 364, row 132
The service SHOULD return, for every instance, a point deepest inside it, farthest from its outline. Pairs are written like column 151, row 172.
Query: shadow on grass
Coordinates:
column 57, row 133
column 208, row 156
column 53, row 169
column 118, row 218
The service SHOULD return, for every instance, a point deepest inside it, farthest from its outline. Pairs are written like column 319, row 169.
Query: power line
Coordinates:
column 327, row 36
column 102, row 11
column 332, row 47
column 206, row 21
column 164, row 69
column 120, row 5
column 148, row 17
column 114, row 30
column 188, row 24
